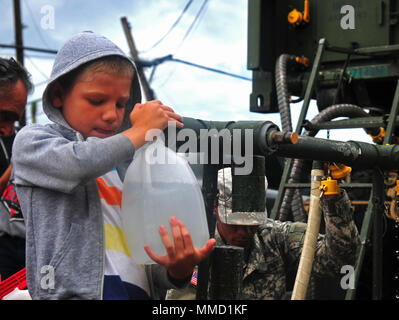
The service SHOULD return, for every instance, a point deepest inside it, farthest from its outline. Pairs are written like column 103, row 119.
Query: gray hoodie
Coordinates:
column 55, row 170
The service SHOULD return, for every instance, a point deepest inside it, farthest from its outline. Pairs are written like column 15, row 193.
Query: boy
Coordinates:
column 70, row 194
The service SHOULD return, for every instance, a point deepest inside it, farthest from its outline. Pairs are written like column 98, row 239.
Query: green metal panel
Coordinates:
column 261, row 55
column 262, row 32
column 254, row 21
column 375, row 26
column 360, row 58
column 370, row 25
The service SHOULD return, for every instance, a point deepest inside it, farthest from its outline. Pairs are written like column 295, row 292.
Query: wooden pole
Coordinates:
column 18, row 32
column 148, row 92
column 19, row 43
column 311, row 235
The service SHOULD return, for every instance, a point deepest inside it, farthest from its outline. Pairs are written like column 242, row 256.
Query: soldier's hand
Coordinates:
column 181, row 257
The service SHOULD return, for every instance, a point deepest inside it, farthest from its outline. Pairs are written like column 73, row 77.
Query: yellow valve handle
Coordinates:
column 379, row 138
column 303, row 60
column 392, row 206
column 339, row 171
column 329, row 187
column 296, row 17
column 306, row 16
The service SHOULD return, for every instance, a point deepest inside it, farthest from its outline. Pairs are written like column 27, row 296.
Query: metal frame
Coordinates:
column 373, row 217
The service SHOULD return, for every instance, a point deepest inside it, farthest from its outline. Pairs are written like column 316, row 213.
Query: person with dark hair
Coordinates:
column 15, row 85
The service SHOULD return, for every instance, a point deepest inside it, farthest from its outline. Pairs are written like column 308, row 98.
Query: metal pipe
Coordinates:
column 267, row 140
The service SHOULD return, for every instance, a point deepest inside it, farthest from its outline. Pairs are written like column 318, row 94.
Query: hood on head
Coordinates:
column 80, row 49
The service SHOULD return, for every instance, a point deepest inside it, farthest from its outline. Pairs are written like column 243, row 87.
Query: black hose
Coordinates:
column 285, row 114
column 332, row 112
column 282, row 90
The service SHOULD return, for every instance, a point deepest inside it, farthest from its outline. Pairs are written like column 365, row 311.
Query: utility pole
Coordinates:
column 148, row 92
column 18, row 32
column 19, row 43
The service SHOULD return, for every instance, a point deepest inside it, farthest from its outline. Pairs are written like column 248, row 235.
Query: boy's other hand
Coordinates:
column 181, row 257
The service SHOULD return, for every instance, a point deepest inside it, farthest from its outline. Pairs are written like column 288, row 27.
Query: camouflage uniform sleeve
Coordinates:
column 293, row 235
column 335, row 249
column 341, row 241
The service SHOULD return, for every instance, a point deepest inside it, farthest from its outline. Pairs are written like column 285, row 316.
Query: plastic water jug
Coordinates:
column 160, row 184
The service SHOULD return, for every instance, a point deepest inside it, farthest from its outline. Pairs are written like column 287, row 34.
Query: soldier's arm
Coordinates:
column 339, row 246
column 334, row 249
column 288, row 237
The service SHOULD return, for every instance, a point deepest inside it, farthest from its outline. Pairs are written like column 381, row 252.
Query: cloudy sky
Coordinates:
column 211, row 33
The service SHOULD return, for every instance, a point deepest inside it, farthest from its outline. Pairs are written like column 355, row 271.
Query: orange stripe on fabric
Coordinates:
column 111, row 195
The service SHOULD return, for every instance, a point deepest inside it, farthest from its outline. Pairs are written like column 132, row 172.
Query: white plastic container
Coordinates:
column 160, row 184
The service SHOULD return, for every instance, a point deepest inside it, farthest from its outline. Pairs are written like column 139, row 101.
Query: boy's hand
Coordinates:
column 154, row 115
column 181, row 258
column 150, row 115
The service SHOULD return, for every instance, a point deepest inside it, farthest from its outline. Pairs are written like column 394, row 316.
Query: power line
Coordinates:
column 171, row 28
column 193, row 23
column 12, row 46
column 36, row 56
column 201, row 14
column 211, row 69
column 156, row 62
column 145, row 63
column 188, row 31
